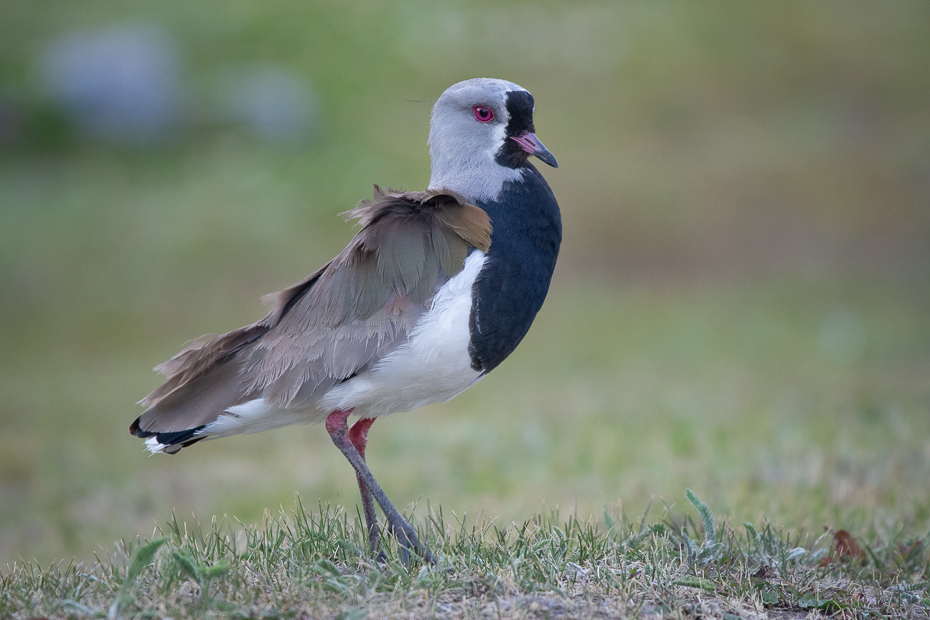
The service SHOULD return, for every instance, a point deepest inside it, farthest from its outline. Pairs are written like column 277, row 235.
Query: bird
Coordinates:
column 434, row 291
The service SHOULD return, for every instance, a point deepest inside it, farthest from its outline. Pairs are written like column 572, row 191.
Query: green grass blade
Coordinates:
column 186, row 565
column 218, row 569
column 141, row 559
column 707, row 517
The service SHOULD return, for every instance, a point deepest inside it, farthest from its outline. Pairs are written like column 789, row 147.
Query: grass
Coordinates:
column 314, row 563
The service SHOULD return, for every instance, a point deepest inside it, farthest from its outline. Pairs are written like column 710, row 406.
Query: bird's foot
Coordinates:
column 374, row 543
column 407, row 537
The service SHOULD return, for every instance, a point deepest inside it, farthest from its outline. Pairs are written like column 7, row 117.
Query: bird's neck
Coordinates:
column 525, row 217
column 477, row 179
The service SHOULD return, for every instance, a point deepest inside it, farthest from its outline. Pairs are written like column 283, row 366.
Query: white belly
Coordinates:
column 432, row 366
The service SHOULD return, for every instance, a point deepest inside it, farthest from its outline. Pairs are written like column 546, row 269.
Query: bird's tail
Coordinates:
column 168, row 442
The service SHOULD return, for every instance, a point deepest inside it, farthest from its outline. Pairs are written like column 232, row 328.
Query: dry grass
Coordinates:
column 315, row 564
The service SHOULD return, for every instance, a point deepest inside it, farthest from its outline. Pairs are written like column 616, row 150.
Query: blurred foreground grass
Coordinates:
column 741, row 307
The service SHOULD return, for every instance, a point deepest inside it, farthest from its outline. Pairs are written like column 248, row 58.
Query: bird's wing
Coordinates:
column 336, row 322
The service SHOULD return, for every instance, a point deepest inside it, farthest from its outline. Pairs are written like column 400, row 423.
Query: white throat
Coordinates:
column 481, row 179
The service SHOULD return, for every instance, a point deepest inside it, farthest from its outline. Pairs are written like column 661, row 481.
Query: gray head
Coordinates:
column 482, row 135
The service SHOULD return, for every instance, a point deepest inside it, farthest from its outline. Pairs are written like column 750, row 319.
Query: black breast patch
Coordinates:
column 514, row 281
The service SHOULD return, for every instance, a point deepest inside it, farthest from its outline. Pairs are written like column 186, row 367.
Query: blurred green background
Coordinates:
column 741, row 306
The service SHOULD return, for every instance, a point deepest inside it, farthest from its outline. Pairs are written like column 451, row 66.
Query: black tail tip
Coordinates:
column 135, row 429
column 170, row 442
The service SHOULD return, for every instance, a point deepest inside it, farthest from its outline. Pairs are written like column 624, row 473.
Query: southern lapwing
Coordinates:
column 435, row 290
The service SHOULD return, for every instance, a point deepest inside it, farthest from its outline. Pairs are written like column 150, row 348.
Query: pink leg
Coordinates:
column 358, row 435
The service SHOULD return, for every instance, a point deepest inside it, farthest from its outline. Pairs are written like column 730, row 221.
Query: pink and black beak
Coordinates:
column 534, row 146
column 522, row 141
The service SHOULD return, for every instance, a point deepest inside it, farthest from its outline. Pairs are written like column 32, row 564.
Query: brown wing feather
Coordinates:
column 336, row 322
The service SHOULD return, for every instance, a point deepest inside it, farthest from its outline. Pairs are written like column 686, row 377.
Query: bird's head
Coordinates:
column 481, row 135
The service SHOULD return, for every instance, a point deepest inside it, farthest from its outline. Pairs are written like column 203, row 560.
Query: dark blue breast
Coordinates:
column 512, row 284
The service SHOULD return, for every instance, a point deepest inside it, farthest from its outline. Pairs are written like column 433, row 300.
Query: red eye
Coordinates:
column 483, row 114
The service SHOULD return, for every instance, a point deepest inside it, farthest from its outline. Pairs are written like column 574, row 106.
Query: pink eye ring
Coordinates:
column 483, row 114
